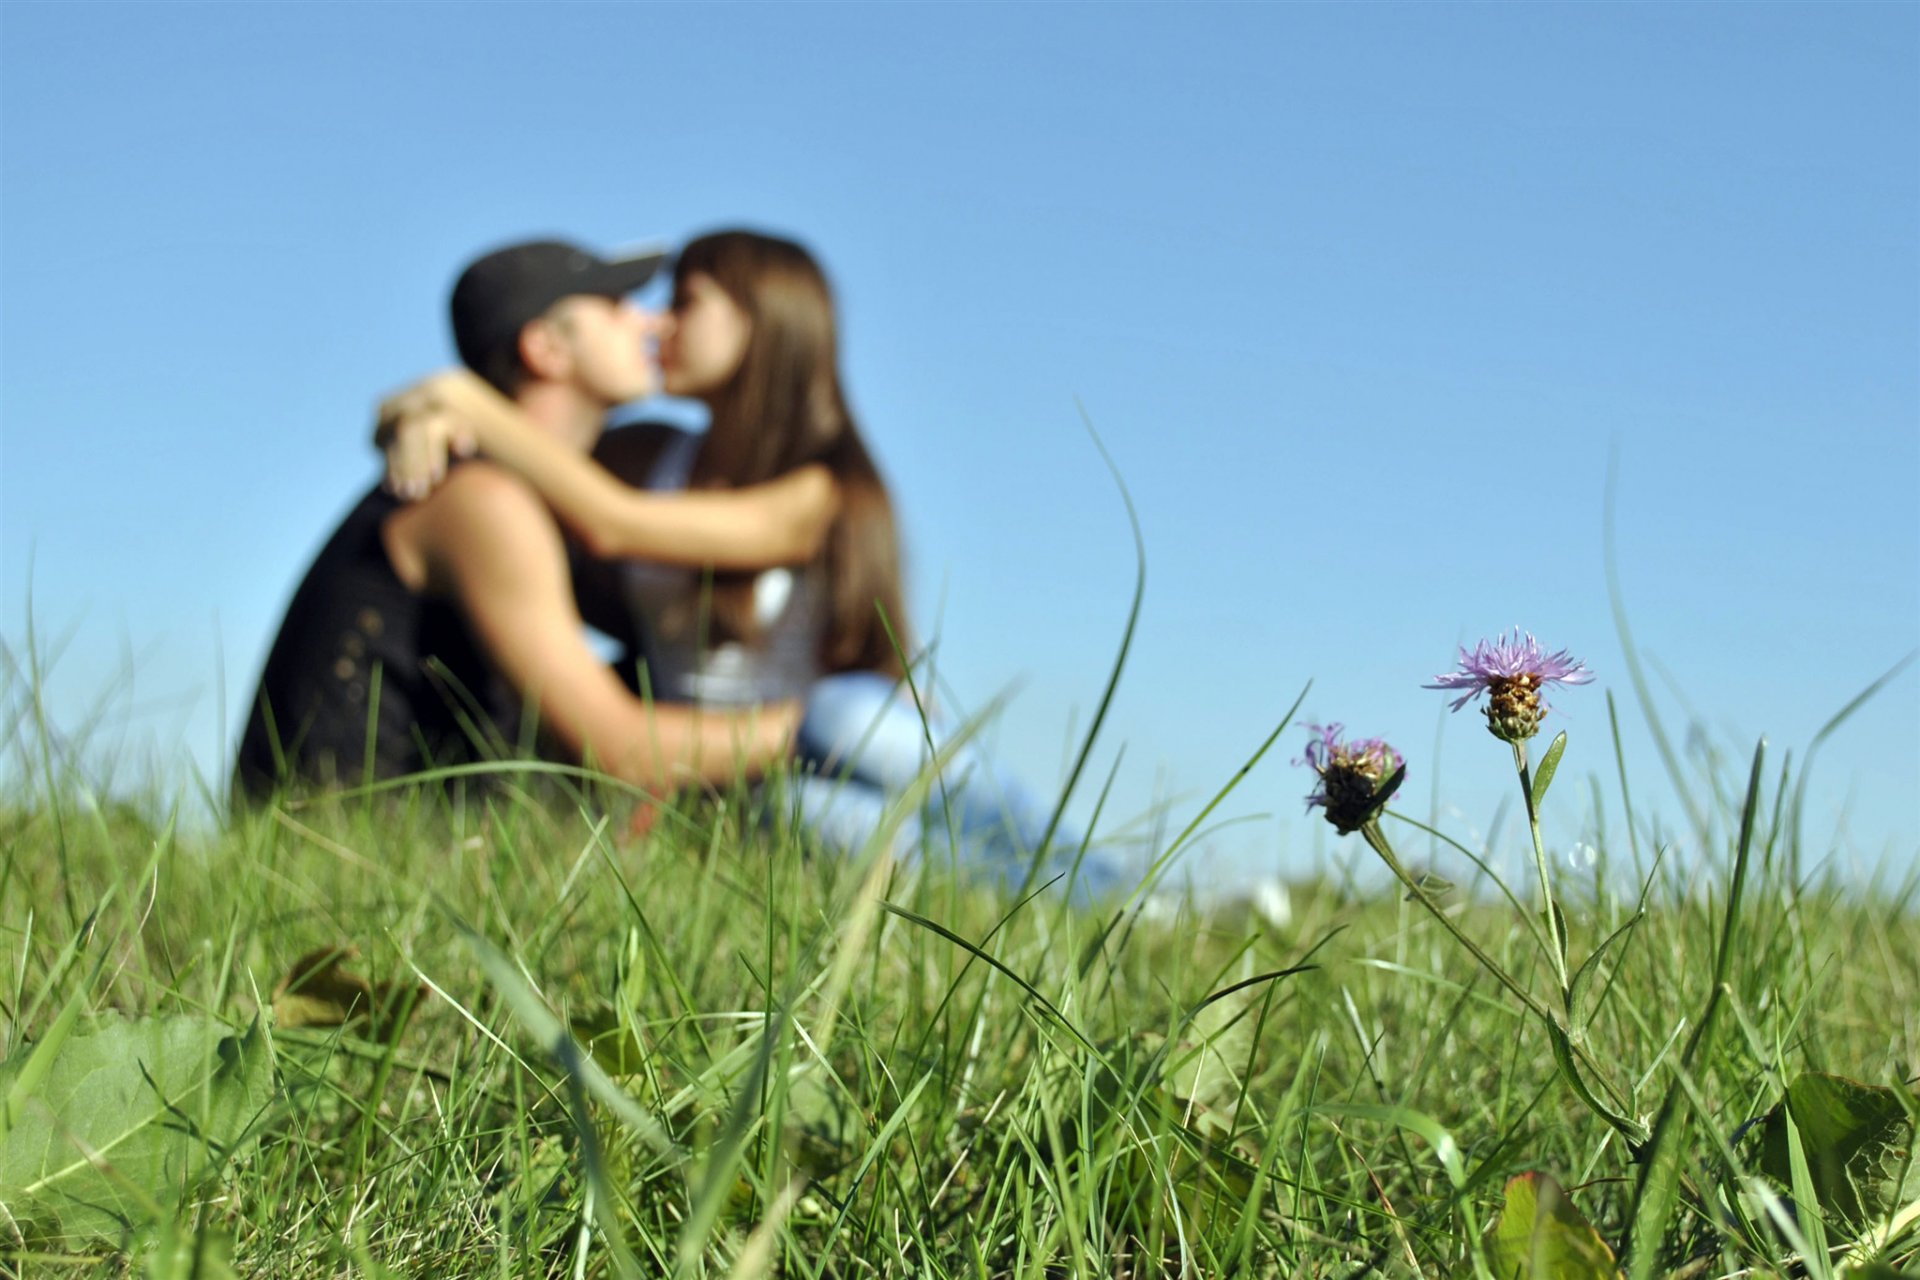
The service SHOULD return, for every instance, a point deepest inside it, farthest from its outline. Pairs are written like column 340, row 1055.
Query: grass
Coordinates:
column 811, row 1068
column 709, row 1052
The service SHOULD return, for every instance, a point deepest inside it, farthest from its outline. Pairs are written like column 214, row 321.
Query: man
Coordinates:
column 446, row 630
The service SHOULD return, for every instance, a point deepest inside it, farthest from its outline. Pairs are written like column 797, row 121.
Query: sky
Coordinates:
column 1366, row 303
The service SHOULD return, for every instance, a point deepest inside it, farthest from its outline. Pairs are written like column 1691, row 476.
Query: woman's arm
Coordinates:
column 781, row 522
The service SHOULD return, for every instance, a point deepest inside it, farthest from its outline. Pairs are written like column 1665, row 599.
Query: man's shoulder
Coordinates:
column 480, row 487
column 479, row 518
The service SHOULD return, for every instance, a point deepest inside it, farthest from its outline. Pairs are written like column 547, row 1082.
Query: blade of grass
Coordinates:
column 1658, row 1187
column 1119, row 658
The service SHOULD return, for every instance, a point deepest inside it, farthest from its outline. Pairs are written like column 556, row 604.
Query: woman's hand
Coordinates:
column 421, row 426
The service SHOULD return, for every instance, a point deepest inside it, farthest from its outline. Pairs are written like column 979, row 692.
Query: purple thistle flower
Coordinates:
column 1356, row 777
column 1513, row 671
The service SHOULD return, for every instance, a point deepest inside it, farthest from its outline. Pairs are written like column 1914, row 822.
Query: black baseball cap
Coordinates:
column 501, row 293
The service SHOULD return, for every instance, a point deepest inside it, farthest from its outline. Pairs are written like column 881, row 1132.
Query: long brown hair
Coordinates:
column 782, row 409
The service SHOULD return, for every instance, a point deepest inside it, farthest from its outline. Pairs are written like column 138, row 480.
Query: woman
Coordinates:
column 799, row 594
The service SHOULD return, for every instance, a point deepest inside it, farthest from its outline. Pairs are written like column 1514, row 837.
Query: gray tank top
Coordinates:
column 667, row 606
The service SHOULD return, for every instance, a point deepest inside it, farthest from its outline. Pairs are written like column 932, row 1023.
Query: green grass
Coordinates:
column 818, row 1068
column 711, row 1052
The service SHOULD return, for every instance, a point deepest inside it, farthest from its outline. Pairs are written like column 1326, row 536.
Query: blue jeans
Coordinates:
column 866, row 743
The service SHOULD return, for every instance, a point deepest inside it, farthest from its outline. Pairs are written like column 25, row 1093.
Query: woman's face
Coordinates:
column 704, row 339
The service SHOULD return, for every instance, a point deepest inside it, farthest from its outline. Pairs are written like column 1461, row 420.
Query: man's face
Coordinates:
column 608, row 345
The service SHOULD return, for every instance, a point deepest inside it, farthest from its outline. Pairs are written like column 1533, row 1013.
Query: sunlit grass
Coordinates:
column 712, row 1051
column 954, row 1083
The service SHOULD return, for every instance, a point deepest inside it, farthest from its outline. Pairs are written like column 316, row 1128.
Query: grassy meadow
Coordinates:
column 490, row 1033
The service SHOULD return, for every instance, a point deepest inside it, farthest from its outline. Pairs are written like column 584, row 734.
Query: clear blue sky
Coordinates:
column 1361, row 298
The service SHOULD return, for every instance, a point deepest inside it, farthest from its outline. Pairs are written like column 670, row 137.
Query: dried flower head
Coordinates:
column 1514, row 672
column 1356, row 777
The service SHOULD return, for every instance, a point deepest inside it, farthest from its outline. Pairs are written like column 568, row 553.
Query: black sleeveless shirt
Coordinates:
column 367, row 680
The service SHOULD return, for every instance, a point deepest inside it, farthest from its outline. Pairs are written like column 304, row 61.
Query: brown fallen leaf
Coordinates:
column 319, row 991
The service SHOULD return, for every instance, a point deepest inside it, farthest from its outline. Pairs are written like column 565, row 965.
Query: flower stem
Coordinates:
column 1550, row 909
column 1568, row 1053
column 1377, row 838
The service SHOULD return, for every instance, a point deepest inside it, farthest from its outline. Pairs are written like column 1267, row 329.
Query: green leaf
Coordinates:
column 1549, row 764
column 1632, row 1130
column 320, row 991
column 28, row 1071
column 1858, row 1143
column 127, row 1121
column 823, row 1122
column 179, row 1252
column 24, row 1073
column 1416, row 1122
column 1557, row 926
column 1809, row 1233
column 1541, row 1236
column 1203, row 1067
column 608, row 1040
column 1589, row 965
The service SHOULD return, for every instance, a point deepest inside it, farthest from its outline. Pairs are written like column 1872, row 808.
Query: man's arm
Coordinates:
column 485, row 541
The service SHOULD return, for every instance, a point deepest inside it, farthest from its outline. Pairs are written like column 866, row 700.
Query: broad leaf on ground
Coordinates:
column 1541, row 1236
column 1202, row 1069
column 319, row 991
column 130, row 1118
column 1858, row 1140
column 825, row 1128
